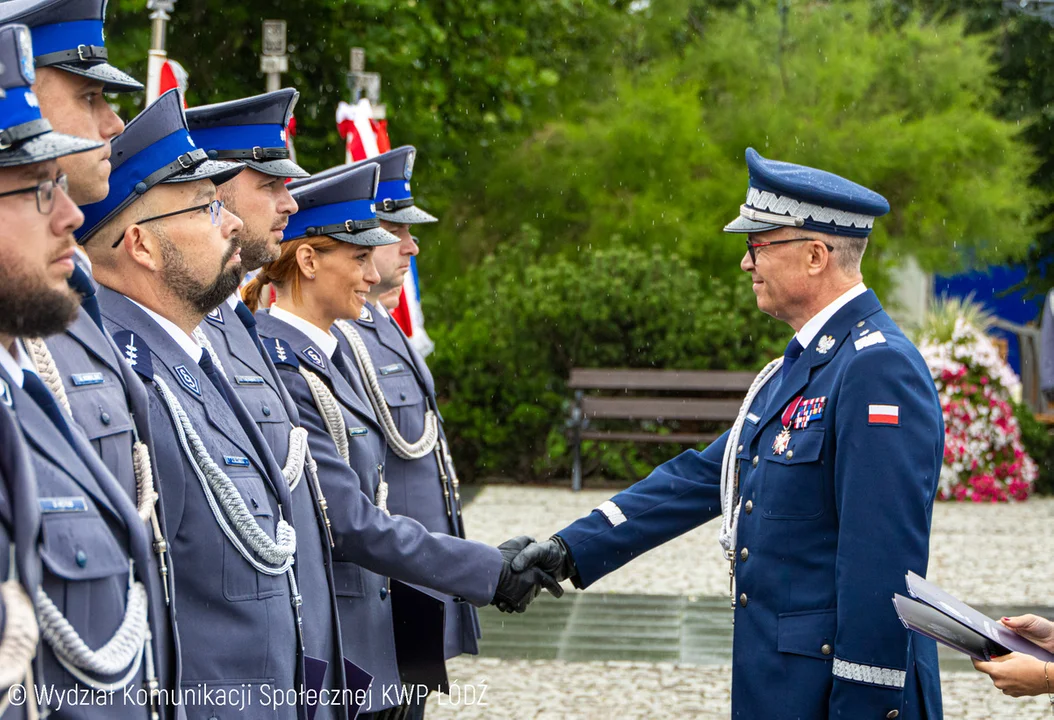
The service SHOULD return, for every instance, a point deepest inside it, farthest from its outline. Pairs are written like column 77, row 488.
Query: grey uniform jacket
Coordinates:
column 1046, row 349
column 19, row 520
column 109, row 403
column 237, row 626
column 256, row 383
column 415, row 487
column 90, row 531
column 369, row 544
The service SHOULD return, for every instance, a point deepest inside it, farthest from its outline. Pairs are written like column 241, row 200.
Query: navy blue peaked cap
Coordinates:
column 68, row 34
column 340, row 206
column 783, row 194
column 26, row 137
column 154, row 148
column 394, row 200
column 251, row 130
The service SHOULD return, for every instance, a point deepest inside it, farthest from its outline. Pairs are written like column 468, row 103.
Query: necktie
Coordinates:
column 338, row 362
column 790, row 355
column 37, row 390
column 80, row 282
column 206, row 365
column 246, row 316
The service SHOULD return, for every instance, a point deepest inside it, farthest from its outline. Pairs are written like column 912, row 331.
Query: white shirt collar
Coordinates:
column 16, row 365
column 810, row 329
column 325, row 341
column 233, row 300
column 189, row 344
column 83, row 257
column 381, row 309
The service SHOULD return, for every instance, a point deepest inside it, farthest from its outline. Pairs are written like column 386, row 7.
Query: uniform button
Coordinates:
column 744, row 554
column 82, row 558
column 826, row 649
column 749, row 507
column 790, row 454
column 384, row 593
column 266, row 411
column 402, row 396
column 739, row 449
column 893, row 714
column 754, row 462
column 743, row 600
column 105, row 417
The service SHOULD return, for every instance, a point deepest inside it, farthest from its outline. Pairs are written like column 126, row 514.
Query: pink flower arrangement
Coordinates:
column 984, row 459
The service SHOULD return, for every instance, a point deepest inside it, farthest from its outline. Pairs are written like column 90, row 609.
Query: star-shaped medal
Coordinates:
column 779, row 445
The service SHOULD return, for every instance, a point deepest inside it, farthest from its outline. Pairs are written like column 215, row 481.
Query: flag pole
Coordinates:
column 159, row 17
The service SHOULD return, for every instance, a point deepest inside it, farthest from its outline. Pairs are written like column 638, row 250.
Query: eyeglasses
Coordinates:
column 45, row 192
column 215, row 209
column 752, row 248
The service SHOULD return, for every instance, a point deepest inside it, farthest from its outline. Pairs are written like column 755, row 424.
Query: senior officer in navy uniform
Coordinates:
column 84, row 367
column 324, row 272
column 94, row 549
column 165, row 253
column 826, row 481
column 252, row 131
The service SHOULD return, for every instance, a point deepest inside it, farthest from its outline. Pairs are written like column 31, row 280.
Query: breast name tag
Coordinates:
column 235, row 461
column 391, row 369
column 62, row 504
column 248, row 380
column 81, row 379
column 358, row 431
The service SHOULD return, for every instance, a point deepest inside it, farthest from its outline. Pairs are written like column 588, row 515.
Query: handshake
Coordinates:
column 528, row 567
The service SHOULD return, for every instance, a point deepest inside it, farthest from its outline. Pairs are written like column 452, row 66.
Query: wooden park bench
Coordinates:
column 696, row 397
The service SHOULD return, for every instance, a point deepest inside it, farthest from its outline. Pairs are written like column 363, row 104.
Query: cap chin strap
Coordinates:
column 25, row 131
column 766, row 217
column 82, row 54
column 389, row 205
column 260, row 154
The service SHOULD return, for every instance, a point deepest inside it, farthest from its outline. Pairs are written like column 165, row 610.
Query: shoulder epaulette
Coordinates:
column 281, row 352
column 865, row 334
column 136, row 353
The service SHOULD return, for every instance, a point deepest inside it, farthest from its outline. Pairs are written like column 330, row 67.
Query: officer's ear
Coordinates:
column 819, row 256
column 307, row 260
column 142, row 247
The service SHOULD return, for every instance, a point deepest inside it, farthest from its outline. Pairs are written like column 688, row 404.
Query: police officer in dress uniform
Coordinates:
column 1046, row 349
column 252, row 131
column 82, row 365
column 826, row 481
column 324, row 272
column 165, row 253
column 93, row 604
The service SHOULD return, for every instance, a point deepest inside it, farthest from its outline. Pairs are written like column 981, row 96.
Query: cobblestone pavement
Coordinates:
column 986, row 554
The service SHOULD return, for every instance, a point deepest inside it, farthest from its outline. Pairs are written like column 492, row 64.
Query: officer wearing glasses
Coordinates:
column 96, row 588
column 825, row 483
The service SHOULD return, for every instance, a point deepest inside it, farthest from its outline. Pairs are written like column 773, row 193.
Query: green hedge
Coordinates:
column 509, row 332
column 1039, row 444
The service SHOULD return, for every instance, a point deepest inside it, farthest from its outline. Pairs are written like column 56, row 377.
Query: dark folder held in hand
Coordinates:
column 936, row 614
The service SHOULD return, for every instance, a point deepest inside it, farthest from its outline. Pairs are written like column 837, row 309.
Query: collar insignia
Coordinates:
column 187, row 379
column 365, row 315
column 315, row 356
column 825, row 344
column 216, row 316
column 5, row 394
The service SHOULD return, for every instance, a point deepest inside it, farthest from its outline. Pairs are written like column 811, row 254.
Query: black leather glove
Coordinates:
column 516, row 590
column 550, row 556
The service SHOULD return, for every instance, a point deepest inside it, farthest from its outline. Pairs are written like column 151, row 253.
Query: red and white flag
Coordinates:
column 883, row 414
column 364, row 137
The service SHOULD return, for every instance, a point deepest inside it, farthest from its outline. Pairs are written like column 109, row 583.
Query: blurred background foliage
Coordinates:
column 583, row 156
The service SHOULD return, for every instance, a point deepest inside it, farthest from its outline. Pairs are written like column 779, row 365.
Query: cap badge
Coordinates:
column 825, row 344
column 25, row 47
column 408, row 171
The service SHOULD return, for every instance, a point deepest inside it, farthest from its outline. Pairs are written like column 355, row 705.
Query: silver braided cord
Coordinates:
column 203, row 341
column 18, row 645
column 125, row 648
column 47, row 370
column 730, row 504
column 227, row 505
column 333, row 419
column 399, row 445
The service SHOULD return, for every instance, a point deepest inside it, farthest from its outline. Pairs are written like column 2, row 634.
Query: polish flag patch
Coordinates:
column 883, row 415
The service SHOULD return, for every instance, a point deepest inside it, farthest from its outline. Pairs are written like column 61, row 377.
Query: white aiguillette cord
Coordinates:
column 730, row 500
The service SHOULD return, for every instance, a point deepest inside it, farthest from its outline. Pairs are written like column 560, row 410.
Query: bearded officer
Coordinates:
column 93, row 603
column 252, row 131
column 165, row 253
column 82, row 365
column 826, row 481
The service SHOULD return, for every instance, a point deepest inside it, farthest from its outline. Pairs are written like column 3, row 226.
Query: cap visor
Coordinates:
column 42, row 148
column 278, row 168
column 374, row 237
column 214, row 170
column 113, row 80
column 744, row 225
column 408, row 216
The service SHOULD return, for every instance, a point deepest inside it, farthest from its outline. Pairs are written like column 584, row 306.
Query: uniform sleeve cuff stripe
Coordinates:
column 612, row 512
column 868, row 674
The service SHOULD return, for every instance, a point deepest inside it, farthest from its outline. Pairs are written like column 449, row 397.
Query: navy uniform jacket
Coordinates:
column 828, row 529
column 415, row 487
column 110, row 405
column 90, row 530
column 258, row 387
column 237, row 626
column 1046, row 347
column 370, row 544
column 19, row 519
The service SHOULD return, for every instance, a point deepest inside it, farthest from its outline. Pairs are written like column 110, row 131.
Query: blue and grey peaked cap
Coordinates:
column 395, row 203
column 154, row 148
column 251, row 130
column 783, row 194
column 26, row 137
column 342, row 207
column 68, row 34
